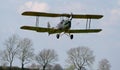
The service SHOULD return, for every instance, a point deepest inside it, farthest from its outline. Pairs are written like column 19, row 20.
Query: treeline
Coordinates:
column 22, row 49
column 14, row 68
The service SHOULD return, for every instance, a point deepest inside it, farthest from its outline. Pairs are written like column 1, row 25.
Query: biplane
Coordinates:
column 64, row 26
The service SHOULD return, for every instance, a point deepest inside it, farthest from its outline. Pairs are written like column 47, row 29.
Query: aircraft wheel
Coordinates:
column 57, row 36
column 71, row 36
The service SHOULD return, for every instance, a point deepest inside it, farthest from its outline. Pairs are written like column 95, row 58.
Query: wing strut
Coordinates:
column 37, row 21
column 88, row 23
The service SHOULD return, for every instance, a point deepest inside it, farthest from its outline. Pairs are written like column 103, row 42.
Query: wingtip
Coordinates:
column 102, row 16
column 23, row 13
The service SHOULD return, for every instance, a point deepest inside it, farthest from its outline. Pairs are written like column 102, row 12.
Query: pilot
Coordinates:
column 62, row 21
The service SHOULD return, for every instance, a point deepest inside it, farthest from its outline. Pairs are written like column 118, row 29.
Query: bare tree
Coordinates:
column 80, row 57
column 57, row 67
column 11, row 49
column 45, row 57
column 104, row 65
column 26, row 53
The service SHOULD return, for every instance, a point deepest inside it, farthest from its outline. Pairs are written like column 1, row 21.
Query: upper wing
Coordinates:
column 84, row 31
column 86, row 16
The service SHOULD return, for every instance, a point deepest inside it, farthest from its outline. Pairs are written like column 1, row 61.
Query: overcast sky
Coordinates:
column 105, row 44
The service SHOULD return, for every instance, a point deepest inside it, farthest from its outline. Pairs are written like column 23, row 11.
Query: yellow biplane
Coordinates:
column 64, row 26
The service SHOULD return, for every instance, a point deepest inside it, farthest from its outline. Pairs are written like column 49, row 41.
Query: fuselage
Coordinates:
column 64, row 24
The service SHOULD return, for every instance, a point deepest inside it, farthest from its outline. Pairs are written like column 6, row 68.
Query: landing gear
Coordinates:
column 57, row 36
column 71, row 36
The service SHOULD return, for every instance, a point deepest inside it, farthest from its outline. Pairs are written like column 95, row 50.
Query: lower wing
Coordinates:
column 41, row 29
column 53, row 31
column 32, row 28
column 84, row 31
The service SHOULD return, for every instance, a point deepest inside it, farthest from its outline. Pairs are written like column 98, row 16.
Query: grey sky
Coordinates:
column 105, row 44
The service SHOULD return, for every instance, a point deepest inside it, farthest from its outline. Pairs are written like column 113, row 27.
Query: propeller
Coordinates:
column 71, row 16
